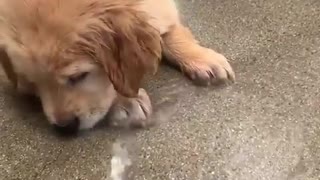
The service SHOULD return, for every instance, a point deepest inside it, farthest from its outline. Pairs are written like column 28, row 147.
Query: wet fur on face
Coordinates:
column 77, row 55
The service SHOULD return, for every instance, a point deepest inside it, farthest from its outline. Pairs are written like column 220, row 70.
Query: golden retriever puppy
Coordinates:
column 87, row 58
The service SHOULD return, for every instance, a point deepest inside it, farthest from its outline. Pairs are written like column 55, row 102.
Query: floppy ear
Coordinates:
column 131, row 48
column 8, row 68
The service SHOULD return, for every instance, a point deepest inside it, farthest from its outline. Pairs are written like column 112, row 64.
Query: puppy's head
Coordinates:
column 77, row 55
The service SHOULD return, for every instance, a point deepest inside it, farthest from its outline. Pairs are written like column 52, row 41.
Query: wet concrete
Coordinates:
column 266, row 126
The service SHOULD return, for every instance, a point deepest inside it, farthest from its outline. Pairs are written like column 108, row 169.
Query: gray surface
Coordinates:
column 266, row 126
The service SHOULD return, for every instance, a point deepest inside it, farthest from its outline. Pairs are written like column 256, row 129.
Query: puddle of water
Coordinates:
column 119, row 162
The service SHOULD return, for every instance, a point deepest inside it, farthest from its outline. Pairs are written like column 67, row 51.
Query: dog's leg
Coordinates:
column 203, row 65
column 134, row 112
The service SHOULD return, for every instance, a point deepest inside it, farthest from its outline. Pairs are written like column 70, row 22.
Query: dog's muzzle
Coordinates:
column 70, row 128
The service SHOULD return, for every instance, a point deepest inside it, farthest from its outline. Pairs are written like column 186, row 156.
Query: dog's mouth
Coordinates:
column 68, row 130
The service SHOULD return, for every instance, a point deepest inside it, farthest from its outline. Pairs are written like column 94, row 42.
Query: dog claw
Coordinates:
column 212, row 69
column 132, row 112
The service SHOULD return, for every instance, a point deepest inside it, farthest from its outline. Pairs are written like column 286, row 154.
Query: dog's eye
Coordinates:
column 77, row 78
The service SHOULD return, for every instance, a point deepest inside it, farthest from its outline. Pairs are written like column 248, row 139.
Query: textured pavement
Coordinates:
column 265, row 126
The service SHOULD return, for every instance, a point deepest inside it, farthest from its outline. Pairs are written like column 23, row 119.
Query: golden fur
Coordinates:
column 84, row 58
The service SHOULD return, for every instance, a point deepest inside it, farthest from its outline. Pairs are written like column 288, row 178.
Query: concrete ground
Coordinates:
column 266, row 126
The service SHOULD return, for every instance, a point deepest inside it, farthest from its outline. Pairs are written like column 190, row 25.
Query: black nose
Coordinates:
column 69, row 128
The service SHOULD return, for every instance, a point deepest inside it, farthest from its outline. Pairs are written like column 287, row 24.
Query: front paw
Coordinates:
column 210, row 68
column 132, row 112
